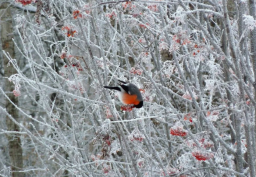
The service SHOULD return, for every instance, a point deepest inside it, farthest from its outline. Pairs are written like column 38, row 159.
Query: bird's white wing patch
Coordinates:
column 120, row 95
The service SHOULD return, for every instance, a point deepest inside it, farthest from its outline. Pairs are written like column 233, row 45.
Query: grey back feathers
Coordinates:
column 133, row 90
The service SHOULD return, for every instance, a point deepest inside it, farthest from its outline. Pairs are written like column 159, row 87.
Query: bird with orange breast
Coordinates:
column 129, row 94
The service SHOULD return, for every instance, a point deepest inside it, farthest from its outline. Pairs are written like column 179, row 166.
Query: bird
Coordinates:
column 128, row 94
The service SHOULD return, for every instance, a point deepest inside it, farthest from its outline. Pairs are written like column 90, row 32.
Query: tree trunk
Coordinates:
column 15, row 149
column 253, row 57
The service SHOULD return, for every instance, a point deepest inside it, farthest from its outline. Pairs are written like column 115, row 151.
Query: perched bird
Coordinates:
column 128, row 94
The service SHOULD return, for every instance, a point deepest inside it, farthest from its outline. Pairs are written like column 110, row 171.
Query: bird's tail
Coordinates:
column 113, row 88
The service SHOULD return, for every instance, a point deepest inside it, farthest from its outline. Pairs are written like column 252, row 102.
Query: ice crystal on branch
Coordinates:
column 15, row 79
column 112, row 15
column 163, row 46
column 145, row 26
column 243, row 146
column 153, row 7
column 106, row 169
column 76, row 86
column 185, row 161
column 140, row 162
column 16, row 93
column 188, row 117
column 108, row 113
column 115, row 147
column 20, row 21
column 203, row 141
column 136, row 71
column 69, row 31
column 249, row 21
column 24, row 2
column 141, row 40
column 210, row 84
column 63, row 55
column 76, row 14
column 179, row 15
column 178, row 130
column 202, row 155
column 170, row 171
column 128, row 5
column 136, row 135
column 188, row 96
column 212, row 115
column 87, row 8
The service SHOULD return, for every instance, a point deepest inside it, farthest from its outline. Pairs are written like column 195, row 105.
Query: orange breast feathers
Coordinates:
column 130, row 99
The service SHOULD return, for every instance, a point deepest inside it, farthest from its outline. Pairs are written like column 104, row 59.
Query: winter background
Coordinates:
column 193, row 60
